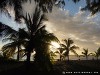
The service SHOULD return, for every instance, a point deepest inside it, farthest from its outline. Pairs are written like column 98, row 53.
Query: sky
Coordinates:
column 78, row 25
column 71, row 22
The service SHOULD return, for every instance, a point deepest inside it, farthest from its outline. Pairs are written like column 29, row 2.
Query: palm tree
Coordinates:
column 42, row 42
column 6, row 31
column 34, row 24
column 61, row 53
column 68, row 46
column 9, row 48
column 35, row 28
column 16, row 42
column 86, row 53
column 97, row 53
column 37, row 33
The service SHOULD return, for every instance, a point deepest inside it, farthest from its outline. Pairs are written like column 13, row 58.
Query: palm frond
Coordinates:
column 73, row 51
column 23, row 34
column 8, row 50
column 63, row 46
column 74, row 47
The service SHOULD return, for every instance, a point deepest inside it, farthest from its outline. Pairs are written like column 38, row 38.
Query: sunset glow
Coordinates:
column 55, row 44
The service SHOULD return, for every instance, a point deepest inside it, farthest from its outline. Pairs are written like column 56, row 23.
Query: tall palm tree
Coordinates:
column 37, row 32
column 35, row 28
column 86, row 53
column 33, row 24
column 43, row 40
column 68, row 46
column 97, row 53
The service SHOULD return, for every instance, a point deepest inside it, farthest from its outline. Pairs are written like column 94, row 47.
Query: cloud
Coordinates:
column 81, row 27
column 29, row 7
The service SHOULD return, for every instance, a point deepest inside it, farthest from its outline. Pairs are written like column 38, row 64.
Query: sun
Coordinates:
column 55, row 44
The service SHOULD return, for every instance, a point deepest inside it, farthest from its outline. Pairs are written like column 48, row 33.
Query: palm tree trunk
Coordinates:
column 78, row 57
column 60, row 57
column 28, row 57
column 86, row 57
column 18, row 53
column 68, row 55
column 29, row 48
column 97, row 58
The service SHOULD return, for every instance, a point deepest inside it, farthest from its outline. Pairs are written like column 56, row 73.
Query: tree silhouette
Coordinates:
column 96, row 53
column 68, row 46
column 16, row 41
column 61, row 53
column 86, row 53
column 6, row 31
column 43, row 41
column 34, row 24
column 39, row 38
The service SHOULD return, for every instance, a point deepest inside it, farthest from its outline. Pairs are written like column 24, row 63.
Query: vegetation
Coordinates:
column 86, row 53
column 97, row 53
column 17, row 41
column 36, row 38
column 68, row 46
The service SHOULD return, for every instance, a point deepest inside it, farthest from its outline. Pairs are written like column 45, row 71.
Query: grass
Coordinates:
column 75, row 65
column 15, row 68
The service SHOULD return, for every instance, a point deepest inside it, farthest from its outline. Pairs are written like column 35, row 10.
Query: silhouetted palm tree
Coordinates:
column 86, row 53
column 6, row 31
column 9, row 48
column 42, row 42
column 61, row 53
column 37, row 34
column 16, row 42
column 33, row 25
column 96, row 53
column 68, row 46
